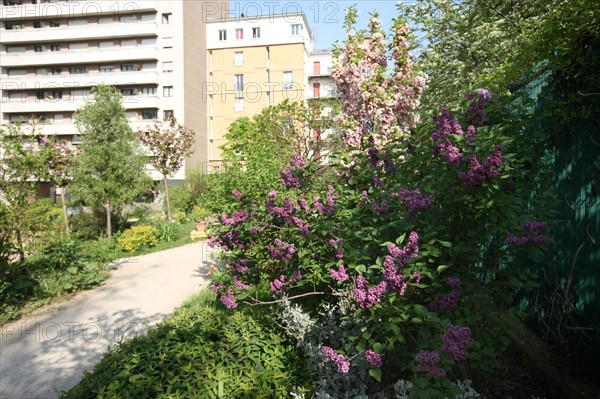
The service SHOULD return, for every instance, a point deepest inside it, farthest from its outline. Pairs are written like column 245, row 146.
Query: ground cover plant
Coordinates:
column 201, row 352
column 391, row 277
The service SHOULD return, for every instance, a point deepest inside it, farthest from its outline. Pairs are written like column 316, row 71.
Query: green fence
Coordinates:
column 566, row 308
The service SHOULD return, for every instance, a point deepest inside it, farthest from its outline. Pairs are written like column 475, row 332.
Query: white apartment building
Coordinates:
column 258, row 61
column 52, row 53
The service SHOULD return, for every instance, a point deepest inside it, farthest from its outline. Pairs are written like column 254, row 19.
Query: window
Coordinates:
column 106, row 44
column 56, row 71
column 39, row 95
column 129, row 92
column 166, row 18
column 38, row 48
column 239, row 82
column 239, row 34
column 76, row 140
column 222, row 35
column 107, row 69
column 168, row 67
column 149, row 42
column 239, row 104
column 316, row 90
column 238, row 58
column 77, row 22
column 41, row 71
column 149, row 91
column 149, row 114
column 79, row 93
column 167, row 91
column 106, row 20
column 127, row 68
column 37, row 24
column 59, row 118
column 78, row 70
column 316, row 67
column 11, row 26
column 78, row 46
column 167, row 42
column 56, row 94
column 128, row 43
column 296, row 28
column 288, row 80
column 55, row 47
column 256, row 33
column 167, row 113
column 54, row 24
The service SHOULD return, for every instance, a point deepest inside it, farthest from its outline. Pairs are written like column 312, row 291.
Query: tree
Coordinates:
column 170, row 143
column 20, row 168
column 111, row 169
column 59, row 159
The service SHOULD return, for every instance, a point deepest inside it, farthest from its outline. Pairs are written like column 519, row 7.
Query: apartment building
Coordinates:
column 258, row 61
column 52, row 53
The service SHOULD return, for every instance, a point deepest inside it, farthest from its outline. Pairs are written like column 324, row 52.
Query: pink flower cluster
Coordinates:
column 373, row 359
column 475, row 111
column 448, row 301
column 410, row 250
column 289, row 177
column 340, row 274
column 229, row 300
column 342, row 364
column 413, row 200
column 447, row 125
column 280, row 284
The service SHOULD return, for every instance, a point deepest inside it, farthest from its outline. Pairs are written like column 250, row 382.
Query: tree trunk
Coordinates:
column 64, row 207
column 108, row 221
column 169, row 218
column 21, row 244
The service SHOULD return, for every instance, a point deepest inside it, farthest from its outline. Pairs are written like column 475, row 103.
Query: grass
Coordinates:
column 183, row 231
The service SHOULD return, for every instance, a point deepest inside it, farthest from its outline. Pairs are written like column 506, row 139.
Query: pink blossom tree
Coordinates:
column 170, row 143
column 378, row 100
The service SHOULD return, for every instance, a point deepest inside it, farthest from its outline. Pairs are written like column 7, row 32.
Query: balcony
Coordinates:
column 117, row 78
column 89, row 56
column 66, row 105
column 74, row 9
column 86, row 32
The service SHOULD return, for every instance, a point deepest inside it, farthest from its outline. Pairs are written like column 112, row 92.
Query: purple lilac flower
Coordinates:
column 373, row 359
column 363, row 197
column 339, row 254
column 273, row 194
column 410, row 250
column 240, row 284
column 227, row 220
column 373, row 152
column 302, row 226
column 321, row 208
column 236, row 193
column 388, row 261
column 427, row 363
column 394, row 280
column 416, row 277
column 288, row 179
column 240, row 216
column 456, row 340
column 303, row 205
column 470, row 133
column 413, row 200
column 284, row 250
column 342, row 365
column 340, row 274
column 379, row 208
column 298, row 161
column 240, row 266
column 297, row 276
column 286, row 211
column 530, row 234
column 365, row 296
column 278, row 285
column 233, row 238
column 446, row 125
column 217, row 287
column 532, row 225
column 229, row 300
column 448, row 301
column 493, row 163
column 476, row 174
column 253, row 230
column 377, row 182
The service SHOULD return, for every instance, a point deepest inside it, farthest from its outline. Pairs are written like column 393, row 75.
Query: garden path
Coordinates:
column 47, row 352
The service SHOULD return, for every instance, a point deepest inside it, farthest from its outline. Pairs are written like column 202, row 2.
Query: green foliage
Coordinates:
column 140, row 212
column 111, row 170
column 199, row 213
column 181, row 200
column 138, row 237
column 167, row 232
column 202, row 351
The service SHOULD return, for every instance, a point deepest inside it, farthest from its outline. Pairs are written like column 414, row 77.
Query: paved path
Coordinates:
column 48, row 352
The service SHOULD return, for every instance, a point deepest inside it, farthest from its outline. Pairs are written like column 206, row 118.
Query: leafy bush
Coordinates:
column 181, row 200
column 141, row 212
column 138, row 237
column 167, row 232
column 102, row 250
column 63, row 253
column 200, row 213
column 203, row 352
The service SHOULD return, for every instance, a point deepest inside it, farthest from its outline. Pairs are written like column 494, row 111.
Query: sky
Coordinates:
column 325, row 17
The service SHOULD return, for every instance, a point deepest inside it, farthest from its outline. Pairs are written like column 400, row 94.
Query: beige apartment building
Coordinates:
column 255, row 62
column 52, row 53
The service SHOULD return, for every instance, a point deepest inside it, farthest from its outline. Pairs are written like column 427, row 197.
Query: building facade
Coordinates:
column 52, row 53
column 255, row 62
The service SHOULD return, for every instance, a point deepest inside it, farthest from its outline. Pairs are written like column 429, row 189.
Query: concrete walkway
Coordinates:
column 46, row 353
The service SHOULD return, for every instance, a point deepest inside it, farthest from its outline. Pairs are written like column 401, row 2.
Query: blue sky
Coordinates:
column 325, row 17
